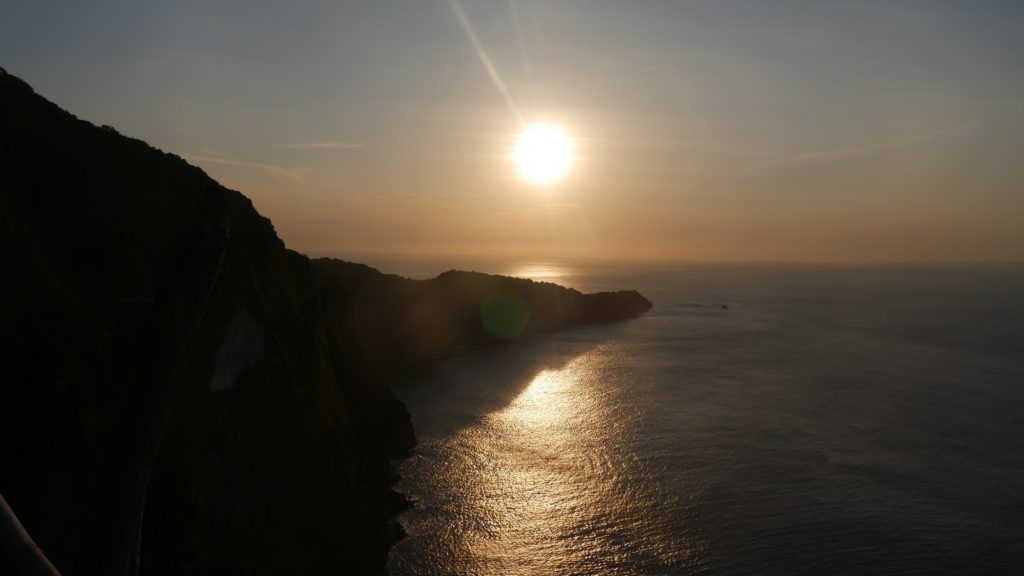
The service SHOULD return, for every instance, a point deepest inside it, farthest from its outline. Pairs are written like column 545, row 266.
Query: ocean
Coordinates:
column 761, row 419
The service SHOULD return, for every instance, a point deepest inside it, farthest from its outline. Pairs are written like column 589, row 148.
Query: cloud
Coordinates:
column 320, row 146
column 213, row 157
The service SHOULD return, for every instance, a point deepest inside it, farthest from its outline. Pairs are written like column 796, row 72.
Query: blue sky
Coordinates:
column 783, row 131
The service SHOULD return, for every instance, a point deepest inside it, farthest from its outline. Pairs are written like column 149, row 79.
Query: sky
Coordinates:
column 782, row 131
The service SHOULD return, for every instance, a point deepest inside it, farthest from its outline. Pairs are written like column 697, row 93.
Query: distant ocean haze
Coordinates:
column 759, row 420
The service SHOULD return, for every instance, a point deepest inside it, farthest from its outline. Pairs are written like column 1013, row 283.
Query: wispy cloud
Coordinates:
column 855, row 151
column 320, row 146
column 214, row 157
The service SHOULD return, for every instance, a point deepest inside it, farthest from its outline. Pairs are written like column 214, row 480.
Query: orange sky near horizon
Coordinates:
column 730, row 130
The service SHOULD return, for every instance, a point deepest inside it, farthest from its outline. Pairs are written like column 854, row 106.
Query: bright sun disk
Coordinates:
column 543, row 153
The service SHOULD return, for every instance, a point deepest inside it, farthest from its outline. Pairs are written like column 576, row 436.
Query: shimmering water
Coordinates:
column 828, row 420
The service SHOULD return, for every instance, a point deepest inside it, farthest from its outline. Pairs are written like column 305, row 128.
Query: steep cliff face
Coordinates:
column 266, row 465
column 273, row 453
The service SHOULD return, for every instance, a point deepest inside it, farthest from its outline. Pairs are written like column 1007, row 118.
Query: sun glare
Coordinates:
column 543, row 153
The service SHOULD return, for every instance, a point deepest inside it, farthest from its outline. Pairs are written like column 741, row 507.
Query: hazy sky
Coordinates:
column 726, row 130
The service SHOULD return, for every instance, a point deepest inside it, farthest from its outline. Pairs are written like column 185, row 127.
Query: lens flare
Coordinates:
column 505, row 315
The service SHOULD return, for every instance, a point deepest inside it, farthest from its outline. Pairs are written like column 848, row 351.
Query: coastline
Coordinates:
column 280, row 424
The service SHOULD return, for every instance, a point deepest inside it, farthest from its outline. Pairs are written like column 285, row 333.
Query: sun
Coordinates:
column 543, row 153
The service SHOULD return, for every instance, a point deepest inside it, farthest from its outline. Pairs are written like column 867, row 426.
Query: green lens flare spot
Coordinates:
column 504, row 315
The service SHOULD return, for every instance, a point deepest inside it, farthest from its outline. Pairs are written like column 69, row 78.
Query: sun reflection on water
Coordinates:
column 536, row 490
column 546, row 403
column 544, row 485
column 539, row 271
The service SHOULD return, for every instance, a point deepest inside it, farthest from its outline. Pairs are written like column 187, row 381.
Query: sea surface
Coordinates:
column 759, row 420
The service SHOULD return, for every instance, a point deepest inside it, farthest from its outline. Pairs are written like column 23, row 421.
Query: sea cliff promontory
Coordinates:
column 185, row 395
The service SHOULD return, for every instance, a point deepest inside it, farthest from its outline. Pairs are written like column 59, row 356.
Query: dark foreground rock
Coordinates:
column 273, row 418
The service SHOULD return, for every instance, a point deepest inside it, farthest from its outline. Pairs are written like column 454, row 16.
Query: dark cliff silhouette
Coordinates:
column 182, row 393
column 409, row 325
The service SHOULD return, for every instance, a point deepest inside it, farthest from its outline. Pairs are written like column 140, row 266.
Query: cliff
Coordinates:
column 184, row 394
column 409, row 325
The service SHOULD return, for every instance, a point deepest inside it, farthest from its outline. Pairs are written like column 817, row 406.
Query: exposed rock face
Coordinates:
column 275, row 457
column 241, row 350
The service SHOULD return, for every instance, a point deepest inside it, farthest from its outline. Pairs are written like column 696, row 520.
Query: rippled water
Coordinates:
column 826, row 421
